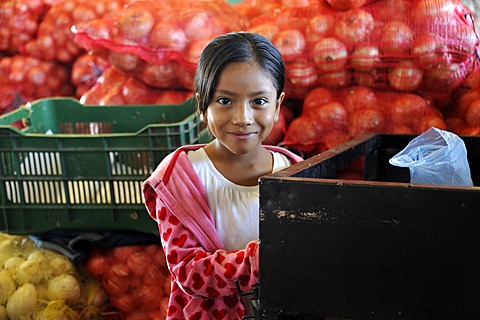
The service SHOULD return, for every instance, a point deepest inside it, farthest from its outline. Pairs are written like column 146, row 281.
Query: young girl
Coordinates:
column 205, row 198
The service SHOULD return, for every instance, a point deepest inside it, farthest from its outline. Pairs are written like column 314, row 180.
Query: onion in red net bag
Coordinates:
column 159, row 42
column 348, row 4
column 55, row 40
column 133, row 278
column 463, row 114
column 85, row 71
column 431, row 47
column 330, row 117
column 10, row 97
column 114, row 87
column 404, row 45
column 35, row 78
column 251, row 9
column 19, row 21
column 285, row 116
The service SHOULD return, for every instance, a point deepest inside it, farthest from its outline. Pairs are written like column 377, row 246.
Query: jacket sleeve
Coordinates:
column 198, row 272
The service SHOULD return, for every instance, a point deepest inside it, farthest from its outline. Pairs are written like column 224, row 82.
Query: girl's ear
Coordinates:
column 202, row 115
column 278, row 105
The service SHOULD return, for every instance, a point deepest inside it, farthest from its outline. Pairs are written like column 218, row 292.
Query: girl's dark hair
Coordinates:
column 236, row 47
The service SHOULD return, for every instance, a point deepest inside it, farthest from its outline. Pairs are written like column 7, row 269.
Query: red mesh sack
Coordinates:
column 330, row 117
column 19, row 21
column 348, row 4
column 463, row 115
column 250, row 9
column 159, row 42
column 404, row 45
column 114, row 87
column 55, row 40
column 135, row 279
column 285, row 116
column 86, row 69
column 11, row 99
column 34, row 78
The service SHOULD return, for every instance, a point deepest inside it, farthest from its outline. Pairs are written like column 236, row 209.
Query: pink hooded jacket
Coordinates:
column 203, row 272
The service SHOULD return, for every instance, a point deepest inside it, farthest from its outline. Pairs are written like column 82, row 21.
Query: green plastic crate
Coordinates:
column 77, row 167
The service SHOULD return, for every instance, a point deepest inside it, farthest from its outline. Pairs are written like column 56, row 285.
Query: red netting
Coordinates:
column 348, row 4
column 11, row 98
column 19, row 20
column 330, row 117
column 463, row 116
column 286, row 115
column 86, row 69
column 55, row 40
column 114, row 87
column 135, row 278
column 254, row 8
column 405, row 45
column 159, row 42
column 34, row 78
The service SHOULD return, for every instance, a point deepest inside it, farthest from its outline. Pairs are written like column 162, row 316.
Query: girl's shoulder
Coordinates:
column 176, row 160
column 294, row 158
column 179, row 154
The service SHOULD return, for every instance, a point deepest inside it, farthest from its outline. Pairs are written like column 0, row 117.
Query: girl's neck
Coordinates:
column 243, row 169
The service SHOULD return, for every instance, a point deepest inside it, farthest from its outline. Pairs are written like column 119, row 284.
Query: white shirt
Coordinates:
column 235, row 208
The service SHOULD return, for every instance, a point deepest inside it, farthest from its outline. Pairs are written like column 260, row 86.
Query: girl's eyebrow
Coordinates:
column 224, row 91
column 256, row 93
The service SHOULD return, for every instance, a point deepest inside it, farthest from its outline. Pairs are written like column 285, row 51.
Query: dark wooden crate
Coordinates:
column 378, row 248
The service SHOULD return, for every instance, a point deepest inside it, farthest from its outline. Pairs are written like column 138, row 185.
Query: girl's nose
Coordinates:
column 243, row 115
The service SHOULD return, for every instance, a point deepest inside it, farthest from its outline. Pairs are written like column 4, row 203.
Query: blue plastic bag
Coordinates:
column 435, row 157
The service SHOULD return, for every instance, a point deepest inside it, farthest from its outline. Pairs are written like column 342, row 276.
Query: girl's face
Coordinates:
column 243, row 109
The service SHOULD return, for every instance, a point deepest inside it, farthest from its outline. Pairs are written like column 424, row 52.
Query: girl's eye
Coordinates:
column 260, row 102
column 224, row 101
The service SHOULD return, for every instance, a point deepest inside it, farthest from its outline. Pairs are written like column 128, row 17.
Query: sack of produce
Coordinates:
column 19, row 20
column 404, row 45
column 86, row 69
column 252, row 8
column 159, row 42
column 330, row 117
column 115, row 87
column 436, row 157
column 11, row 99
column 54, row 39
column 348, row 4
column 463, row 114
column 42, row 284
column 285, row 116
column 135, row 278
column 35, row 78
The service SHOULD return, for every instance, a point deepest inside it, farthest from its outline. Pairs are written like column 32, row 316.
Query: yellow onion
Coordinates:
column 64, row 287
column 3, row 313
column 7, row 287
column 22, row 302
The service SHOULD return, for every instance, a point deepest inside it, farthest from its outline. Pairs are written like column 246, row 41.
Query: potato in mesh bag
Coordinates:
column 42, row 284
